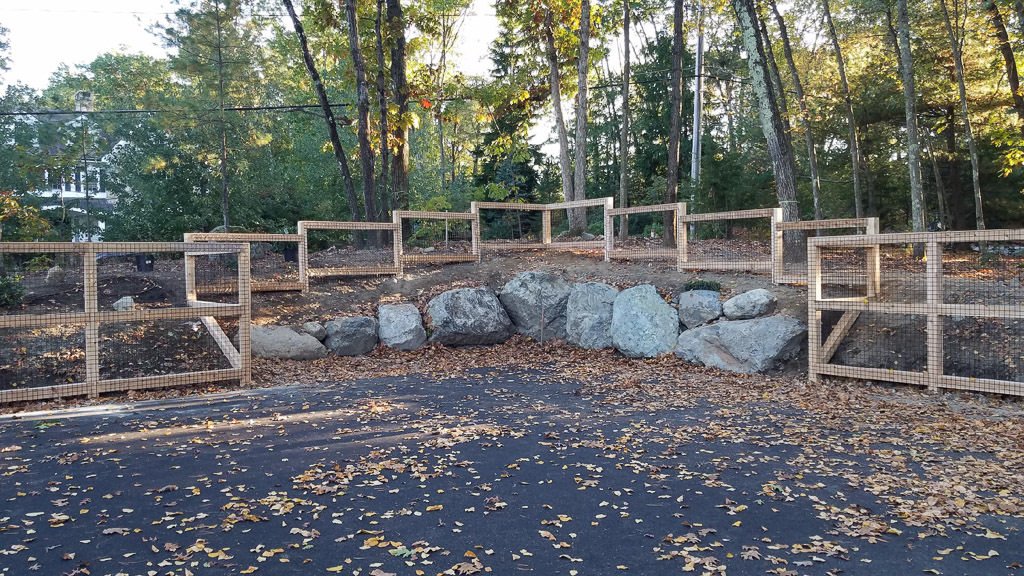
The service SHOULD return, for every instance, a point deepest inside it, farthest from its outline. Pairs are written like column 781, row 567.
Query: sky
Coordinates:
column 45, row 33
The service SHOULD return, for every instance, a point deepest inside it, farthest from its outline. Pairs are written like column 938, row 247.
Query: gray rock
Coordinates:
column 351, row 336
column 468, row 317
column 400, row 326
column 316, row 330
column 284, row 342
column 588, row 315
column 124, row 304
column 643, row 325
column 697, row 307
column 750, row 304
column 55, row 276
column 746, row 346
column 535, row 301
column 587, row 237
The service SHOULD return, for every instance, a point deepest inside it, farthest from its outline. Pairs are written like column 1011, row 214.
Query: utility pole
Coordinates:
column 84, row 104
column 698, row 105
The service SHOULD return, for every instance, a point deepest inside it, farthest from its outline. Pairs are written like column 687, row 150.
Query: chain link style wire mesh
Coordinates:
column 274, row 257
column 737, row 241
column 331, row 248
column 941, row 310
column 438, row 237
column 86, row 318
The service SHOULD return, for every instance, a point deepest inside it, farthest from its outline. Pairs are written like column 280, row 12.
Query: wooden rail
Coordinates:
column 685, row 261
column 678, row 211
column 934, row 309
column 546, row 242
column 92, row 318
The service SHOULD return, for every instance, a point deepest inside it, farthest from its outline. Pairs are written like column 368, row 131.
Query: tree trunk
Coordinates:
column 851, row 120
column 556, row 104
column 675, row 123
column 578, row 216
column 363, row 112
column 958, row 62
column 400, row 162
column 917, row 205
column 1012, row 79
column 940, row 187
column 805, row 123
column 383, row 197
column 956, row 192
column 328, row 112
column 624, row 126
column 224, row 203
column 779, row 152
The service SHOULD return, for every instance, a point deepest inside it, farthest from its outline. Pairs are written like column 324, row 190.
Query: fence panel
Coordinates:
column 331, row 248
column 114, row 316
column 942, row 310
column 511, row 225
column 790, row 243
column 640, row 232
column 274, row 258
column 438, row 237
column 740, row 240
column 579, row 225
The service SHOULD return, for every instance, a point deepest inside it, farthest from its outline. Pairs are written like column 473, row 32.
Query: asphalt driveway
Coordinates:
column 502, row 472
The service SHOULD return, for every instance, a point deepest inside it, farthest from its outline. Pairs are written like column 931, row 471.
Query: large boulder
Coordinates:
column 468, row 317
column 124, row 304
column 284, row 342
column 400, row 326
column 697, row 307
column 55, row 276
column 352, row 336
column 643, row 325
column 588, row 315
column 747, row 346
column 750, row 304
column 535, row 301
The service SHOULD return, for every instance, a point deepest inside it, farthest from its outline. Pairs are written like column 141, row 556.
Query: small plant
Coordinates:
column 40, row 263
column 11, row 291
column 699, row 284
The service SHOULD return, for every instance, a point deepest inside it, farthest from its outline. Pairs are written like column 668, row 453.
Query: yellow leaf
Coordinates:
column 248, row 570
column 435, row 507
column 335, row 569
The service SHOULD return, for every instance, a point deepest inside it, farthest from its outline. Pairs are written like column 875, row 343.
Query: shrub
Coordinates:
column 702, row 285
column 11, row 291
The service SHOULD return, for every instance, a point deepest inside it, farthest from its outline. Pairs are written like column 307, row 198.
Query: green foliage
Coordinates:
column 11, row 291
column 39, row 263
column 699, row 284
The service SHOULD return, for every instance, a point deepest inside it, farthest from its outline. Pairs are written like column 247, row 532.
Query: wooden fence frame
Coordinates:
column 92, row 318
column 474, row 220
column 682, row 240
column 820, row 353
column 665, row 253
column 546, row 242
column 779, row 274
column 250, row 237
column 305, row 272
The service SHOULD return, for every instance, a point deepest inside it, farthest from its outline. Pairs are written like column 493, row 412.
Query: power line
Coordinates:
column 171, row 111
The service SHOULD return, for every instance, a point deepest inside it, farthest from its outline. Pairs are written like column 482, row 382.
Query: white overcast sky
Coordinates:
column 46, row 33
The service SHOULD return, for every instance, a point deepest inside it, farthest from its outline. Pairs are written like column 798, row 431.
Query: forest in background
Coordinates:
column 267, row 112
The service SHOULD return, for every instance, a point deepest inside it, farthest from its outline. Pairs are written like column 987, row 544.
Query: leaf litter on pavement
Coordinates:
column 521, row 457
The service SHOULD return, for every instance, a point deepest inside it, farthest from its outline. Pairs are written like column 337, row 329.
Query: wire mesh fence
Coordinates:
column 274, row 257
column 580, row 225
column 331, row 248
column 512, row 225
column 86, row 318
column 438, row 237
column 740, row 241
column 790, row 250
column 942, row 310
column 646, row 232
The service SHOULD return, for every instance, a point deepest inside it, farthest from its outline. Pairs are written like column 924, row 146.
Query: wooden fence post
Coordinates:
column 303, row 256
column 92, row 324
column 245, row 318
column 545, row 220
column 874, row 260
column 813, row 314
column 682, row 237
column 609, row 230
column 933, row 272
column 777, row 246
